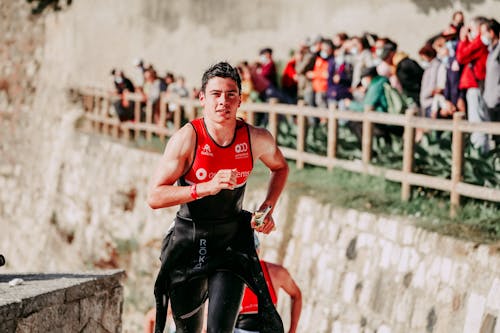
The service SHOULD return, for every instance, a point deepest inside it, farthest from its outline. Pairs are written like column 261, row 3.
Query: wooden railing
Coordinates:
column 97, row 106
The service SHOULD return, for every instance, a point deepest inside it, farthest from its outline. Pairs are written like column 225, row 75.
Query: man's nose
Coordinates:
column 222, row 99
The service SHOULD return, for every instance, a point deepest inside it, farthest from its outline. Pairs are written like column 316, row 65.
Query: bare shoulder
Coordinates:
column 259, row 133
column 277, row 271
column 182, row 141
column 262, row 141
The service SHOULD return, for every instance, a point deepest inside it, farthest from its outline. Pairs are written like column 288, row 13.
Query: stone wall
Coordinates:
column 40, row 303
column 22, row 39
column 366, row 273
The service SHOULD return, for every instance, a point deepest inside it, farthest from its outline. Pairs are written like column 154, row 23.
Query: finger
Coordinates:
column 268, row 227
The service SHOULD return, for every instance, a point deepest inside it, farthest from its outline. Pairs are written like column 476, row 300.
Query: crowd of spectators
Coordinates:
column 147, row 87
column 458, row 70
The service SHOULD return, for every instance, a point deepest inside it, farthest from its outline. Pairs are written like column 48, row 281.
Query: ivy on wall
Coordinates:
column 41, row 5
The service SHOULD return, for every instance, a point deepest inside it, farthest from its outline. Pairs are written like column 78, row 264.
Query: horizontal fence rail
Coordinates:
column 97, row 105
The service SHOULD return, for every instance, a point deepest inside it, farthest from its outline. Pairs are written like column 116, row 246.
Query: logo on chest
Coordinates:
column 206, row 150
column 241, row 150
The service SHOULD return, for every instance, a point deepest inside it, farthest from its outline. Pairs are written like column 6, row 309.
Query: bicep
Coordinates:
column 174, row 161
column 288, row 284
column 266, row 149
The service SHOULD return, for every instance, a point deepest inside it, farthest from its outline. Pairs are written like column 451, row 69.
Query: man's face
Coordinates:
column 489, row 34
column 220, row 100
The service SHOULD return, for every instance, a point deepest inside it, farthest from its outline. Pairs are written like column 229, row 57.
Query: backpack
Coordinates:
column 395, row 101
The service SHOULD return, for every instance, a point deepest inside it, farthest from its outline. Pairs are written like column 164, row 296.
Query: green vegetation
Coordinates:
column 41, row 5
column 476, row 220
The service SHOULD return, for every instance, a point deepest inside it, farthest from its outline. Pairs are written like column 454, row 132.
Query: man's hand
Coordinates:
column 223, row 179
column 265, row 226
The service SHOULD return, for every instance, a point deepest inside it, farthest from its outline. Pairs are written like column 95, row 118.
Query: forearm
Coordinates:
column 172, row 195
column 295, row 314
column 277, row 183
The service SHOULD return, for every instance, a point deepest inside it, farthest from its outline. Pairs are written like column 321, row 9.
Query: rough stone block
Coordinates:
column 349, row 286
column 493, row 301
column 42, row 301
column 385, row 259
column 8, row 326
column 112, row 314
column 408, row 235
column 474, row 314
column 446, row 266
column 10, row 310
column 489, row 323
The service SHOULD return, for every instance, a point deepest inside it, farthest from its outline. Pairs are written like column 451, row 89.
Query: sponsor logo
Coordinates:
column 206, row 150
column 241, row 148
column 239, row 174
column 202, row 253
column 201, row 174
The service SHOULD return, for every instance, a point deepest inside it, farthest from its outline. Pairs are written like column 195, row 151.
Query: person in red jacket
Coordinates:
column 289, row 82
column 472, row 54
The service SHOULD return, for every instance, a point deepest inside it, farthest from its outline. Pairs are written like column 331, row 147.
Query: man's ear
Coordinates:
column 201, row 97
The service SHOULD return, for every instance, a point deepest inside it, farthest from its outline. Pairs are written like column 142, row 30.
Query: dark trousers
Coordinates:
column 495, row 116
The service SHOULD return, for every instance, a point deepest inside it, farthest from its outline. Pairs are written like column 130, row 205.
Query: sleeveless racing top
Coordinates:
column 210, row 157
column 250, row 303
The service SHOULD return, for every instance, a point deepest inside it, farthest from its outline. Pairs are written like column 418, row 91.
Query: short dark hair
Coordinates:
column 428, row 51
column 493, row 25
column 266, row 50
column 221, row 69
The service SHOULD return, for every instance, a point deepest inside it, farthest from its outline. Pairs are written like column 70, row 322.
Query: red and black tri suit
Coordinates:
column 212, row 234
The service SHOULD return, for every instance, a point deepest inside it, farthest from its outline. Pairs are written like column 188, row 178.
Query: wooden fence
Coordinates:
column 98, row 110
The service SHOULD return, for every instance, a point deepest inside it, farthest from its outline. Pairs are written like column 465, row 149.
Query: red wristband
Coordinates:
column 194, row 194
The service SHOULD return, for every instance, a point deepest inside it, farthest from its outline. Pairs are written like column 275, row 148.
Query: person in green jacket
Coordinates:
column 374, row 100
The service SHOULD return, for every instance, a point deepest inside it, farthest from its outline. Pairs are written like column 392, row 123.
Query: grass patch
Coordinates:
column 476, row 220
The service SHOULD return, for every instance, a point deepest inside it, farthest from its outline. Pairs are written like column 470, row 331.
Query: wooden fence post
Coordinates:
column 250, row 117
column 106, row 129
column 301, row 136
column 457, row 152
column 149, row 119
column 177, row 115
column 408, row 148
column 137, row 117
column 162, row 122
column 273, row 119
column 366, row 139
column 116, row 128
column 333, row 134
column 95, row 112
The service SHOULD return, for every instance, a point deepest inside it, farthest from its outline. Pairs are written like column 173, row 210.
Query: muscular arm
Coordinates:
column 162, row 191
column 264, row 147
column 281, row 278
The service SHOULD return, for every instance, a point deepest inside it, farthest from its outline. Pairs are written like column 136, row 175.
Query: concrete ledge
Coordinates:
column 66, row 302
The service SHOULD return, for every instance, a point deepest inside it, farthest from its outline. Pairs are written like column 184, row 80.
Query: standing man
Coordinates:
column 277, row 277
column 490, row 34
column 210, row 246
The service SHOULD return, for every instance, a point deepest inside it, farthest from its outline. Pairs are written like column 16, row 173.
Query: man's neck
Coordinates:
column 222, row 134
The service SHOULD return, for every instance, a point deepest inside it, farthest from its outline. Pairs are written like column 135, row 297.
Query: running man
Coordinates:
column 277, row 277
column 210, row 250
